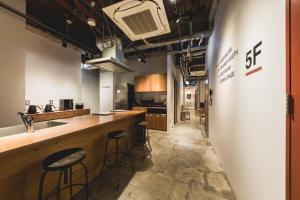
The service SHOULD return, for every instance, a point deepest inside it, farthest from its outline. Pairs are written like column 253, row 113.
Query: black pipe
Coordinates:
column 44, row 26
column 109, row 24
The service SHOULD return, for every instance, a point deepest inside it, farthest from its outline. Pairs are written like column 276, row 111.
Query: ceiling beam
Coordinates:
column 170, row 42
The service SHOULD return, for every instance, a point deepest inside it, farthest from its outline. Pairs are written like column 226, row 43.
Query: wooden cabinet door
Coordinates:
column 158, row 82
column 147, row 83
column 155, row 82
column 152, row 121
column 137, row 84
column 163, row 82
column 142, row 83
column 151, row 83
column 162, row 122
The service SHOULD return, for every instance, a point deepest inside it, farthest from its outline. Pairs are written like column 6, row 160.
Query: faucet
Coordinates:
column 28, row 122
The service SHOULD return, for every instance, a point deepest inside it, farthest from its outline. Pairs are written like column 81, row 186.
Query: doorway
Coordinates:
column 293, row 93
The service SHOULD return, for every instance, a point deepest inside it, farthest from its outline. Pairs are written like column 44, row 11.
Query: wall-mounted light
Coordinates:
column 206, row 82
column 178, row 20
column 172, row 1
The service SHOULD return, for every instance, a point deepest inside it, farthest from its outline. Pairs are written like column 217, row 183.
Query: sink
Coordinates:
column 12, row 130
column 47, row 124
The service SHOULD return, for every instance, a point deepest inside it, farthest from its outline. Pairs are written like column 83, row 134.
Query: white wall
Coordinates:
column 155, row 64
column 12, row 69
column 106, row 91
column 52, row 72
column 38, row 69
column 247, row 118
column 173, row 74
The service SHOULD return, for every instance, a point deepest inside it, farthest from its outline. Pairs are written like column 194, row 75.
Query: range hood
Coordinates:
column 112, row 61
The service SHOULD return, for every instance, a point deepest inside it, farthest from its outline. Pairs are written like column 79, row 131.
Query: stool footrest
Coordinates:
column 51, row 194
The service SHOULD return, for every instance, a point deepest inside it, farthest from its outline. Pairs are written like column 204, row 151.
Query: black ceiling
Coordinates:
column 53, row 13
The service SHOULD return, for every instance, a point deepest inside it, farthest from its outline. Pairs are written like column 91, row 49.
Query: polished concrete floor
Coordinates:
column 183, row 167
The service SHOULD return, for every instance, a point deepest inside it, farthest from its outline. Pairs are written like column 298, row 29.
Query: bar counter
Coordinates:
column 21, row 155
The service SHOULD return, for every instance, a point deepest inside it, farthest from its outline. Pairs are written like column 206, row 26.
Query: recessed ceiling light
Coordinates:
column 91, row 22
column 93, row 3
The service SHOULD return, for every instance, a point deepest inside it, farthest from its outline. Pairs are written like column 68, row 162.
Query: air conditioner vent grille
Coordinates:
column 141, row 22
column 139, row 19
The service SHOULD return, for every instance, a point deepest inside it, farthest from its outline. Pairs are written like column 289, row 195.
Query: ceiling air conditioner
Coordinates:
column 139, row 19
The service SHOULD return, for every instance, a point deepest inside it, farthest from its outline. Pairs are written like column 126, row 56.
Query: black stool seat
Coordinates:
column 64, row 159
column 117, row 135
column 63, row 162
column 143, row 123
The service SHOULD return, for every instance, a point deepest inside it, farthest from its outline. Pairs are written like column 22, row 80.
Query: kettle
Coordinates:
column 48, row 108
column 32, row 109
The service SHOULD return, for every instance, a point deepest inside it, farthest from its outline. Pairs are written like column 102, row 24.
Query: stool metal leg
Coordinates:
column 105, row 157
column 71, row 183
column 148, row 139
column 86, row 180
column 58, row 185
column 129, row 154
column 42, row 185
column 117, row 162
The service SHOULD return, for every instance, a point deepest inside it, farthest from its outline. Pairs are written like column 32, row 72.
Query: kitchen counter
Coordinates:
column 21, row 155
column 74, row 124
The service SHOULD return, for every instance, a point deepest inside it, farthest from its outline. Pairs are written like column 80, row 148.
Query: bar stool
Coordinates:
column 62, row 162
column 143, row 137
column 116, row 136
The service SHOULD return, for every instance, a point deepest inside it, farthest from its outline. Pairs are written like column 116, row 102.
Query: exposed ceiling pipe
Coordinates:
column 201, row 50
column 70, row 9
column 49, row 29
column 196, row 36
column 109, row 24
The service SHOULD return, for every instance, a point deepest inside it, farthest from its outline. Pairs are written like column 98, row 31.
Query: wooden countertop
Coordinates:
column 74, row 124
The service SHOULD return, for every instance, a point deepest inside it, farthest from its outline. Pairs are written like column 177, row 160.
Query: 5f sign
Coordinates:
column 251, row 58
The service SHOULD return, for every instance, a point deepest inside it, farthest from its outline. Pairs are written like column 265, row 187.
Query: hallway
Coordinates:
column 183, row 166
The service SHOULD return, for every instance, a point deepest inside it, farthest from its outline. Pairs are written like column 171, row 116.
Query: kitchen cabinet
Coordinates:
column 151, row 83
column 156, row 121
column 161, row 122
column 142, row 83
column 152, row 121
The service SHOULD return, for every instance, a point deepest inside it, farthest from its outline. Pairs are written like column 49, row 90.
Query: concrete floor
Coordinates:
column 183, row 166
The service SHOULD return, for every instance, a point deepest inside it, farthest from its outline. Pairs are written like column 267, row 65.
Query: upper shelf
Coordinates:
column 151, row 83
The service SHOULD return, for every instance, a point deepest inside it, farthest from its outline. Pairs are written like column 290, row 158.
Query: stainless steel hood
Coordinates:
column 107, row 64
column 112, row 61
